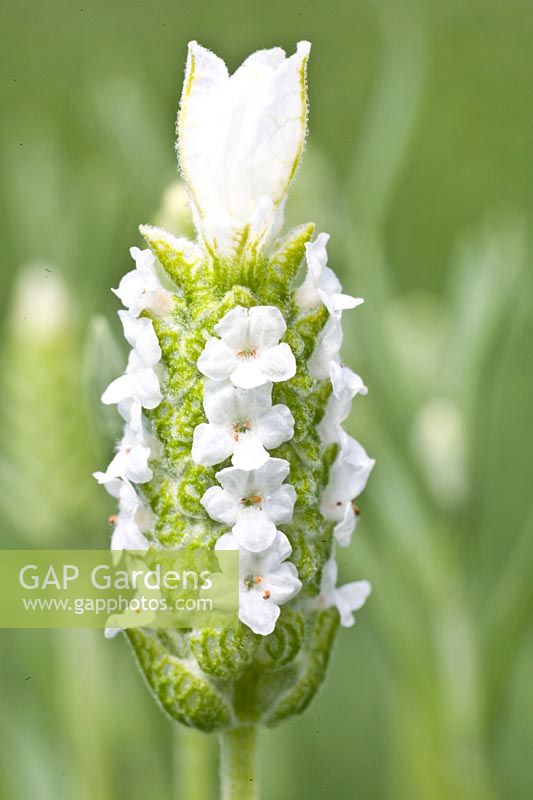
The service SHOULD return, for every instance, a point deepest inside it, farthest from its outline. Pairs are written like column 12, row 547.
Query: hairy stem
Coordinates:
column 239, row 778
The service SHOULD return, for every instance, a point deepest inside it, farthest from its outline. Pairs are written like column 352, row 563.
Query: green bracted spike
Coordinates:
column 305, row 676
column 224, row 652
column 281, row 671
column 182, row 691
column 181, row 260
column 284, row 264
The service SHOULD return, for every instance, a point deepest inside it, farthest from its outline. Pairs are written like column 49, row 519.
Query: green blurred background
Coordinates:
column 420, row 163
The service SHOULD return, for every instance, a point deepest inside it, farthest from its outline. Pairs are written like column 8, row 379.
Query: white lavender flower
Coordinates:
column 328, row 347
column 347, row 479
column 141, row 288
column 133, row 520
column 345, row 384
column 140, row 381
column 267, row 581
column 248, row 350
column 321, row 285
column 253, row 502
column 346, row 599
column 242, row 423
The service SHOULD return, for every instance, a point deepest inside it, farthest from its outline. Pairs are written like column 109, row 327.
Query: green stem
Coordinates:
column 193, row 761
column 238, row 764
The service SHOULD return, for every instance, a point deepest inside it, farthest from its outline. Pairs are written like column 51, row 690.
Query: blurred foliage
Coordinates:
column 419, row 163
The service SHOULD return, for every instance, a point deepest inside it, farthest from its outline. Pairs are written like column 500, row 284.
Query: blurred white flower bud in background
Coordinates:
column 438, row 441
column 41, row 305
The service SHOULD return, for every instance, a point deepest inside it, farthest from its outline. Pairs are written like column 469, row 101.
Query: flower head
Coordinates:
column 248, row 350
column 347, row 479
column 242, row 424
column 240, row 138
column 347, row 599
column 267, row 581
column 239, row 143
column 321, row 285
column 253, row 502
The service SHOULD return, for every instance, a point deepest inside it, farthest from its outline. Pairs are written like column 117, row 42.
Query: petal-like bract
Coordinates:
column 240, row 139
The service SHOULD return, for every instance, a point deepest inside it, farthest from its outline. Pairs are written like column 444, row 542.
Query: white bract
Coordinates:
column 248, row 350
column 321, row 285
column 240, row 139
column 347, row 479
column 253, row 502
column 140, row 382
column 141, row 288
column 242, row 424
column 267, row 581
column 345, row 385
column 347, row 599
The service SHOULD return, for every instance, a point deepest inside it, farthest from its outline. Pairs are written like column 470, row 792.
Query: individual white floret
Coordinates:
column 141, row 288
column 252, row 502
column 267, row 581
column 345, row 385
column 347, row 599
column 248, row 350
column 321, row 285
column 347, row 479
column 242, row 423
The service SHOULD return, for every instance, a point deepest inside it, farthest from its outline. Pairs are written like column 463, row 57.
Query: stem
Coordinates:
column 193, row 760
column 239, row 778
